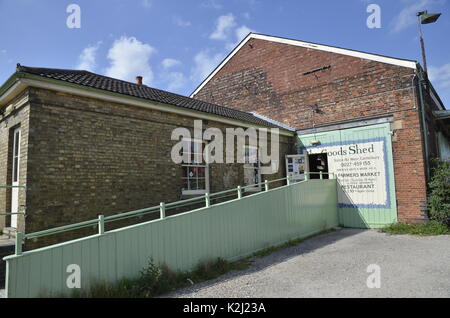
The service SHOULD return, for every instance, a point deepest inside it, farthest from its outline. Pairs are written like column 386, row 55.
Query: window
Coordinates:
column 16, row 155
column 252, row 168
column 195, row 175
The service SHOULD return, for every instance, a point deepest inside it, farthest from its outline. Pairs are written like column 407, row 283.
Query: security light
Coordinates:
column 314, row 107
column 429, row 17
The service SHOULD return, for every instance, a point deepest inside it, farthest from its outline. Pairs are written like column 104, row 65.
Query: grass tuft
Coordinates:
column 421, row 229
column 159, row 280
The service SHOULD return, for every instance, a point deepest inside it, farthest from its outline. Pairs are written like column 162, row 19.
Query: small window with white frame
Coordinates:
column 195, row 174
column 252, row 168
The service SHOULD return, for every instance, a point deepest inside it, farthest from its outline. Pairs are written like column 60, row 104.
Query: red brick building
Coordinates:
column 326, row 90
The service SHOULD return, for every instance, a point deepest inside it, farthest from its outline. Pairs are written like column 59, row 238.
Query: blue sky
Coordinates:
column 174, row 44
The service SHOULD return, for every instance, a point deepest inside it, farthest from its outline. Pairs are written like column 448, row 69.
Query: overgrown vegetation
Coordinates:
column 439, row 205
column 439, row 198
column 158, row 280
column 423, row 229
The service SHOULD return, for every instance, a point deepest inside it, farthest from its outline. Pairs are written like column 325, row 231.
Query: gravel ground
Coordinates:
column 335, row 265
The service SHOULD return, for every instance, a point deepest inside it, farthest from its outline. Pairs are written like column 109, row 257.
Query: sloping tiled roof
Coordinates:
column 88, row 79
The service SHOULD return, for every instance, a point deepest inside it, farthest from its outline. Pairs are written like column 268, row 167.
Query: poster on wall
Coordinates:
column 361, row 170
column 296, row 166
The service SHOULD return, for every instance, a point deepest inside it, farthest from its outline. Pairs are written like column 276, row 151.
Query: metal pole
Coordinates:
column 239, row 191
column 101, row 224
column 162, row 210
column 207, row 200
column 19, row 241
column 422, row 45
column 266, row 185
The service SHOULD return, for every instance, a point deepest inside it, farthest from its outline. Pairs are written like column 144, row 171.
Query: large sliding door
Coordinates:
column 361, row 158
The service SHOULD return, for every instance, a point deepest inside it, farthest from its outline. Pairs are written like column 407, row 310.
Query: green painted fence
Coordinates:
column 230, row 230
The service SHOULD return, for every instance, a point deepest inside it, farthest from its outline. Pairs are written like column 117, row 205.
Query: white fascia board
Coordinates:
column 362, row 55
column 149, row 105
column 12, row 92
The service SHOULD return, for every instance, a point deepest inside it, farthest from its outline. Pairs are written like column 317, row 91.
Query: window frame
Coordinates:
column 256, row 188
column 188, row 165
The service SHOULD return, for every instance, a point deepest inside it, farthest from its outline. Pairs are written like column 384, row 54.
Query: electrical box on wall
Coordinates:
column 296, row 165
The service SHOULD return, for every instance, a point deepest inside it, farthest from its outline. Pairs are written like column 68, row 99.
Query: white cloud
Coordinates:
column 129, row 57
column 407, row 17
column 86, row 60
column 440, row 75
column 181, row 23
column 147, row 3
column 224, row 24
column 240, row 34
column 168, row 63
column 174, row 80
column 205, row 62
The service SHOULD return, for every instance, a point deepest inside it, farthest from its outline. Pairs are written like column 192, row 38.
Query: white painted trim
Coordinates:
column 12, row 92
column 309, row 45
column 17, row 136
column 345, row 125
column 149, row 105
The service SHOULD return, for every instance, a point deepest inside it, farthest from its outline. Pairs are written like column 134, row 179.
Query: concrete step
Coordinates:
column 9, row 232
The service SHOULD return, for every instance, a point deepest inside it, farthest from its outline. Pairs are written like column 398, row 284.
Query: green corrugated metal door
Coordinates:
column 361, row 158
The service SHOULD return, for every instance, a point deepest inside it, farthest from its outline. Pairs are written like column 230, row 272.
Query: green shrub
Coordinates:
column 157, row 280
column 439, row 198
column 421, row 229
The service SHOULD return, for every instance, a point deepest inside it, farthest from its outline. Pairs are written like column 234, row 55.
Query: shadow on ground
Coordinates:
column 260, row 263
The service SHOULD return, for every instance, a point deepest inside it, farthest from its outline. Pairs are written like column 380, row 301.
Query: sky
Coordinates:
column 175, row 44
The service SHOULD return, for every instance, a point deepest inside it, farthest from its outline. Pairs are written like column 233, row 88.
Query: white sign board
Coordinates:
column 361, row 170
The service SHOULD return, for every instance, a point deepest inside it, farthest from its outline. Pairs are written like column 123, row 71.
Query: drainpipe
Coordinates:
column 421, row 79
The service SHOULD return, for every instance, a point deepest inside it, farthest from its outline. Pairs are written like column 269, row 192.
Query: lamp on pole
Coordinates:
column 423, row 17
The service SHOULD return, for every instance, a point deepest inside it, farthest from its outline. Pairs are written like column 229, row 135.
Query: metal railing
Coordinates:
column 161, row 208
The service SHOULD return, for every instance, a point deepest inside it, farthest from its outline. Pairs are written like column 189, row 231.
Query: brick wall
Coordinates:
column 89, row 157
column 268, row 78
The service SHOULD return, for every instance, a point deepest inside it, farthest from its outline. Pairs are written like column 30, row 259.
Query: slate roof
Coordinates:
column 88, row 79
